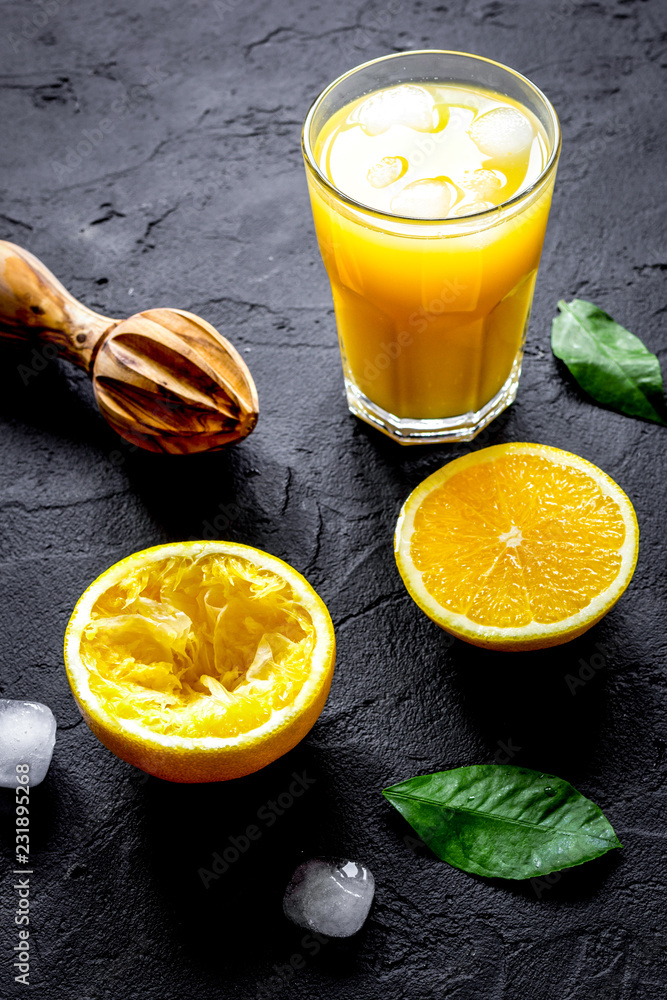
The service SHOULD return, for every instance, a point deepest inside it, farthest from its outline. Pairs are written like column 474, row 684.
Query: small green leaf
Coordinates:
column 503, row 821
column 608, row 362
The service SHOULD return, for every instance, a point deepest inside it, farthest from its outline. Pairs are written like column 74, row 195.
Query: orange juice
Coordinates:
column 430, row 218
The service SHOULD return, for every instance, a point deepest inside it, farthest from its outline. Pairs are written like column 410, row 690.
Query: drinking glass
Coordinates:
column 431, row 313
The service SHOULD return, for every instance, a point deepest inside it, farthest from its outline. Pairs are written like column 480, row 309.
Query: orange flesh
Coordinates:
column 198, row 647
column 517, row 540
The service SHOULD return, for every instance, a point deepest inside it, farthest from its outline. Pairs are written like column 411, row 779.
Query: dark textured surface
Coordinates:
column 195, row 197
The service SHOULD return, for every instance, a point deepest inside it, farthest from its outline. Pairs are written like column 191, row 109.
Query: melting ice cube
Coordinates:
column 27, row 736
column 404, row 105
column 502, row 132
column 473, row 207
column 482, row 183
column 330, row 896
column 426, row 199
column 388, row 170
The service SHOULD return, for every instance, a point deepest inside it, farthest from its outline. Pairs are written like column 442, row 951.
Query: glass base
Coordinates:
column 413, row 431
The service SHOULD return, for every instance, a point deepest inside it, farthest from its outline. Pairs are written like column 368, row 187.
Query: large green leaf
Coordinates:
column 608, row 362
column 504, row 821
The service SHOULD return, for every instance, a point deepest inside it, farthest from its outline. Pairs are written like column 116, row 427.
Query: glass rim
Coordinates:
column 548, row 168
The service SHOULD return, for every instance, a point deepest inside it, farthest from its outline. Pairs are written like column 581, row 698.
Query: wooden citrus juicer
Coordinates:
column 164, row 379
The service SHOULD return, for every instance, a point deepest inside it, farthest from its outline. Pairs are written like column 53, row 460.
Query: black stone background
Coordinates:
column 196, row 198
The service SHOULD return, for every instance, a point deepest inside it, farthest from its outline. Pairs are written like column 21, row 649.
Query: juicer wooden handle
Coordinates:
column 33, row 304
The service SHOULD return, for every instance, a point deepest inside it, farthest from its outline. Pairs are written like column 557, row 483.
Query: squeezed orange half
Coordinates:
column 200, row 661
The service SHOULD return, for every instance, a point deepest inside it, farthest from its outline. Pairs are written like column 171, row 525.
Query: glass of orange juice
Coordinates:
column 430, row 176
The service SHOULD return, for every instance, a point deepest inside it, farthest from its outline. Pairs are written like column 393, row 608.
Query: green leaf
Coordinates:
column 608, row 362
column 504, row 821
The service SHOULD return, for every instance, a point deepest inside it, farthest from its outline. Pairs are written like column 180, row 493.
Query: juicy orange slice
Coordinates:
column 518, row 546
column 200, row 661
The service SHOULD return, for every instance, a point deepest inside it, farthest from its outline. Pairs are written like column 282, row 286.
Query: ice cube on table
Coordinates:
column 404, row 105
column 502, row 132
column 429, row 198
column 330, row 895
column 27, row 736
